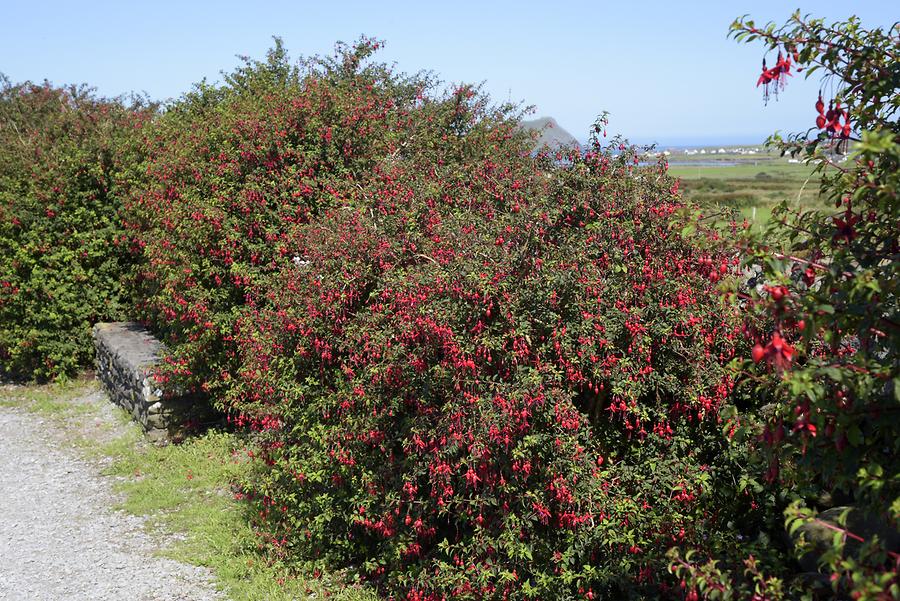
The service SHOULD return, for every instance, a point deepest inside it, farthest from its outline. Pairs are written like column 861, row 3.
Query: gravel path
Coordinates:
column 61, row 540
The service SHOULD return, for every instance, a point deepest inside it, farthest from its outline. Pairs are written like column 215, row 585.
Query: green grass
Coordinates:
column 49, row 400
column 187, row 488
column 184, row 489
column 743, row 170
column 753, row 187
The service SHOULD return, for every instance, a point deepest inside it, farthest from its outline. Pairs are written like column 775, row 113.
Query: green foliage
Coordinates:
column 67, row 158
column 826, row 321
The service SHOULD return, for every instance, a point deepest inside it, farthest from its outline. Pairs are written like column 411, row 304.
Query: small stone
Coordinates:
column 156, row 420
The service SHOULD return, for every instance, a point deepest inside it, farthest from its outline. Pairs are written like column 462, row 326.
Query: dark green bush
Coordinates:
column 67, row 159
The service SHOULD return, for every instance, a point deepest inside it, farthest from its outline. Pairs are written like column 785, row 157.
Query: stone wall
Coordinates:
column 126, row 355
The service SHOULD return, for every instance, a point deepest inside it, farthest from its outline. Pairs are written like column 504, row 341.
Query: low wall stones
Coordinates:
column 126, row 355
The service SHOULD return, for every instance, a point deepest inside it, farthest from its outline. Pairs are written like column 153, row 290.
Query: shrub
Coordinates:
column 493, row 377
column 232, row 168
column 473, row 370
column 827, row 359
column 67, row 158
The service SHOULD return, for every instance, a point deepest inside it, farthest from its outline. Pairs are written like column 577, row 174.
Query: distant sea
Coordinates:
column 696, row 142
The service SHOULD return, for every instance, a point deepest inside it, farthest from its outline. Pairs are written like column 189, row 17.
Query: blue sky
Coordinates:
column 665, row 70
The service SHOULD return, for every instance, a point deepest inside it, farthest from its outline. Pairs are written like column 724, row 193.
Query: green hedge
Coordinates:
column 67, row 158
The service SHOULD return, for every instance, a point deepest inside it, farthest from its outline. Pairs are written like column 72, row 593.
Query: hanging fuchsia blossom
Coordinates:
column 830, row 120
column 775, row 76
column 765, row 78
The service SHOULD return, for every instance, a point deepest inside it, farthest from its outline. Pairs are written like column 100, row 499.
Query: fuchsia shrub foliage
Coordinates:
column 504, row 385
column 825, row 324
column 487, row 373
column 232, row 169
column 472, row 371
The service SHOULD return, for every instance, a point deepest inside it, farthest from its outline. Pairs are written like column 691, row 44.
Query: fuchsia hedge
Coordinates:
column 504, row 387
column 473, row 370
column 468, row 369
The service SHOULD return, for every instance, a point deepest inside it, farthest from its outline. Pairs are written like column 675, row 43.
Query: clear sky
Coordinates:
column 664, row 69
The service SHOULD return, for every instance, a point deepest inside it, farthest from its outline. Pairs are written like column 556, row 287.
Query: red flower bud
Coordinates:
column 758, row 353
column 809, row 276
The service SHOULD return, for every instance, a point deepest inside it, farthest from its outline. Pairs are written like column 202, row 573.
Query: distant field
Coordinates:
column 751, row 183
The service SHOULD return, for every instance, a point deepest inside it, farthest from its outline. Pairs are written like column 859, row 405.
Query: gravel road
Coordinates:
column 61, row 539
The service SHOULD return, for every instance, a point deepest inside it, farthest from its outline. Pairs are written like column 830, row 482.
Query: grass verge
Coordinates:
column 184, row 491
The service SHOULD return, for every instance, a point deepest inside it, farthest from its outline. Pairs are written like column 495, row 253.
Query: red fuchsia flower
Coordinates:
column 803, row 424
column 765, row 78
column 830, row 120
column 820, row 108
column 829, row 115
column 779, row 352
column 777, row 292
column 809, row 276
column 845, row 130
column 834, row 120
column 782, row 69
column 542, row 511
column 774, row 76
column 758, row 353
column 844, row 226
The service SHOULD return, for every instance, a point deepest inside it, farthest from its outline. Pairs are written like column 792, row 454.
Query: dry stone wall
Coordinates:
column 126, row 355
